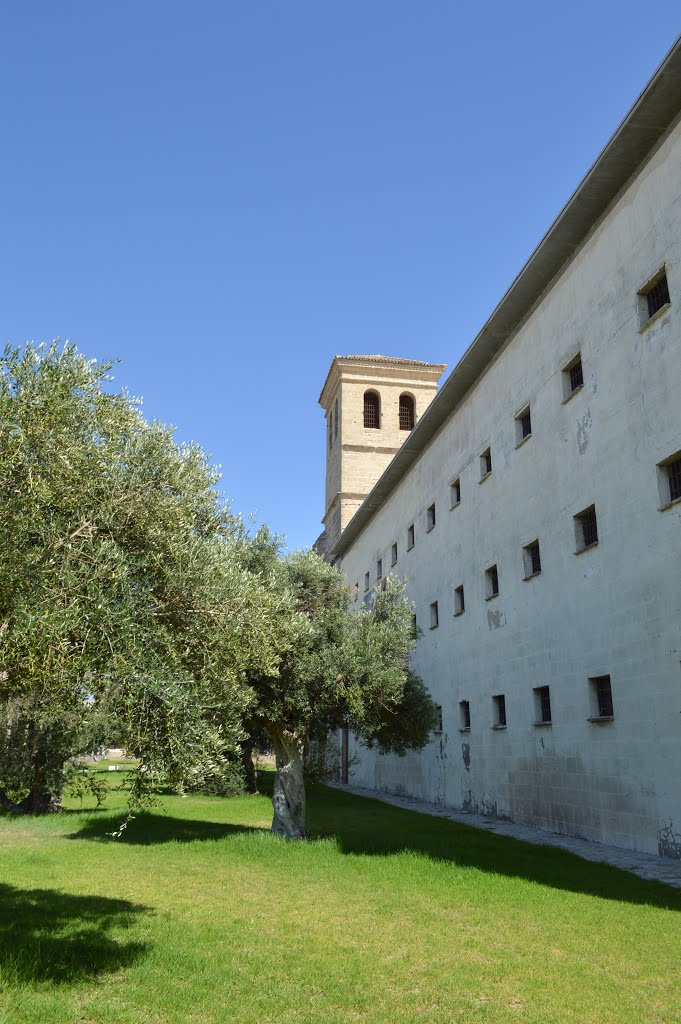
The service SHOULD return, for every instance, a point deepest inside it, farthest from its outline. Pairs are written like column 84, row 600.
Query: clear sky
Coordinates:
column 226, row 194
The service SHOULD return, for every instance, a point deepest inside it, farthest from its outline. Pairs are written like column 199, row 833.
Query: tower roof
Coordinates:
column 424, row 370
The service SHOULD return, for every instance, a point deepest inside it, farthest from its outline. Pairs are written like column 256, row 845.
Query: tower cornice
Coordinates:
column 368, row 368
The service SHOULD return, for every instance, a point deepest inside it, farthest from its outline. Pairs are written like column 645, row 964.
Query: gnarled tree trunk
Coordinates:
column 288, row 799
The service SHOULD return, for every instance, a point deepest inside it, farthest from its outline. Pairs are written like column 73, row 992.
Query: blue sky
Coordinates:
column 224, row 195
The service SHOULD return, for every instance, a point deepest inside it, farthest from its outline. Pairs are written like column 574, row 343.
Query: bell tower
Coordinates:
column 371, row 404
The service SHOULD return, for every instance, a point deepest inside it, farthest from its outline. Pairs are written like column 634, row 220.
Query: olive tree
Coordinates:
column 125, row 588
column 349, row 668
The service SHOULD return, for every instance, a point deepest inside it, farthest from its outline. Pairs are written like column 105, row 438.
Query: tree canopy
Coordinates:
column 124, row 588
column 132, row 599
column 350, row 669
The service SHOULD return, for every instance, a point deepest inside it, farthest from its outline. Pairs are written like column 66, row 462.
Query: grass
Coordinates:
column 198, row 915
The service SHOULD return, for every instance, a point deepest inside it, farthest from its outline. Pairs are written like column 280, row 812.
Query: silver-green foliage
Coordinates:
column 349, row 669
column 125, row 585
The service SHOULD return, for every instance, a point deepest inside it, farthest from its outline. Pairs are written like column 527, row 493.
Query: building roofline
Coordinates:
column 642, row 128
column 378, row 361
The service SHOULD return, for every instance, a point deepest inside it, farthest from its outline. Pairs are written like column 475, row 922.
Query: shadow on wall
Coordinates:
column 47, row 935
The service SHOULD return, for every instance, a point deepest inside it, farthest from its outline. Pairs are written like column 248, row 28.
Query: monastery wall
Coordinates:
column 614, row 609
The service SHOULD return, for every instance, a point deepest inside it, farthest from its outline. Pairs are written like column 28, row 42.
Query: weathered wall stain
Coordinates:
column 466, row 753
column 495, row 619
column 566, row 794
column 584, row 431
column 669, row 841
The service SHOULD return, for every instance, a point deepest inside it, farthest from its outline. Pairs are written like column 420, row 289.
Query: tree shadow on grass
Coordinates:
column 364, row 826
column 52, row 936
column 152, row 829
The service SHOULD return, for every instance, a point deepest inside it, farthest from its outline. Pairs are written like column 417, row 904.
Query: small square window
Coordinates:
column 523, row 425
column 653, row 297
column 455, row 493
column 464, row 715
column 499, row 708
column 491, row 582
column 669, row 479
column 393, row 554
column 601, row 699
column 430, row 516
column 434, row 617
column 573, row 377
column 485, row 463
column 367, row 581
column 586, row 529
column 542, row 705
column 410, row 537
column 438, row 723
column 531, row 559
column 459, row 603
column 379, row 568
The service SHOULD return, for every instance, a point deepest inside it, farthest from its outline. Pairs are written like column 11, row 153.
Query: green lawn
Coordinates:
column 199, row 915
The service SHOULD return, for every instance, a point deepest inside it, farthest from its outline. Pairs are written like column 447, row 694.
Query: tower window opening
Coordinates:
column 372, row 410
column 407, row 412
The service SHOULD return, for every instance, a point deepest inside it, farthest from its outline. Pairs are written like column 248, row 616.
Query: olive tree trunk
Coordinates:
column 288, row 799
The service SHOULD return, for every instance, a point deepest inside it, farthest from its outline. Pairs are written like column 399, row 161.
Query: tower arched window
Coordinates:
column 335, row 422
column 407, row 412
column 372, row 410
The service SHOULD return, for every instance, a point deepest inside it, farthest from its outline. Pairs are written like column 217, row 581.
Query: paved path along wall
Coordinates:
column 644, row 865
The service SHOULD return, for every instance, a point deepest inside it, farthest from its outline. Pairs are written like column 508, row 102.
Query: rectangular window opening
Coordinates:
column 379, row 568
column 491, row 582
column 434, row 616
column 542, row 705
column 455, row 492
column 367, row 581
column 430, row 517
column 438, row 723
column 485, row 463
column 669, row 479
column 464, row 715
column 653, row 297
column 523, row 425
column 410, row 537
column 573, row 377
column 499, row 706
column 459, row 602
column 531, row 559
column 586, row 528
column 393, row 554
column 601, row 699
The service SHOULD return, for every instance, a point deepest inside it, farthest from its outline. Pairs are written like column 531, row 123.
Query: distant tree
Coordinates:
column 126, row 595
column 346, row 670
